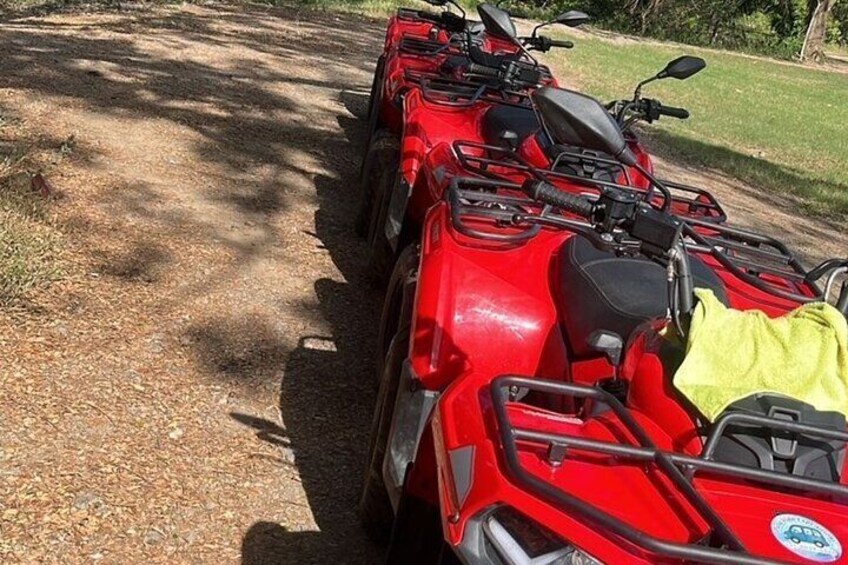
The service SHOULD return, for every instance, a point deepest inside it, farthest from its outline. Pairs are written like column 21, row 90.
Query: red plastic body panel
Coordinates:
column 484, row 310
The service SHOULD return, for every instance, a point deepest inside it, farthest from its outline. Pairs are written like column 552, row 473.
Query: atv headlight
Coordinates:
column 517, row 540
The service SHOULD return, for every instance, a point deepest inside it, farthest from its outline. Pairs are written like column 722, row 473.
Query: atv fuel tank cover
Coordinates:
column 806, row 538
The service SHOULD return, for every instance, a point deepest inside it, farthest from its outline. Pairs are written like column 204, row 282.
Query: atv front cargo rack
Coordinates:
column 680, row 469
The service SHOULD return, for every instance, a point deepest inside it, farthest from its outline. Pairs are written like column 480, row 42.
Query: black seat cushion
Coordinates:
column 800, row 455
column 493, row 60
column 584, row 165
column 597, row 290
column 499, row 119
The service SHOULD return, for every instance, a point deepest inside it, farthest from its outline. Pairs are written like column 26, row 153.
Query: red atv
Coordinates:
column 422, row 45
column 513, row 425
column 500, row 124
column 456, row 65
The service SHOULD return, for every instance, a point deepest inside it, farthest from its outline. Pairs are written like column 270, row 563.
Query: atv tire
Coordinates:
column 398, row 304
column 382, row 153
column 381, row 256
column 375, row 508
column 417, row 538
column 375, row 100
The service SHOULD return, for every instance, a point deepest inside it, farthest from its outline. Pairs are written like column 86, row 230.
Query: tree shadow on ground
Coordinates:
column 327, row 391
column 241, row 124
column 246, row 116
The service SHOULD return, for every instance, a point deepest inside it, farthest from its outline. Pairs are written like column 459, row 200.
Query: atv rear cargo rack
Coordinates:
column 752, row 257
column 761, row 261
column 454, row 24
column 446, row 91
column 474, row 198
column 415, row 45
column 496, row 162
column 680, row 469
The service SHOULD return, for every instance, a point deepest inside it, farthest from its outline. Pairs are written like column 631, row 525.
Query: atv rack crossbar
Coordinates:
column 750, row 255
column 468, row 199
column 495, row 162
column 414, row 45
column 678, row 468
column 446, row 91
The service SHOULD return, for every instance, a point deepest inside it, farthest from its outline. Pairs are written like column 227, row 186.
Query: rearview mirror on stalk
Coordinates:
column 572, row 118
column 680, row 68
column 497, row 22
column 572, row 18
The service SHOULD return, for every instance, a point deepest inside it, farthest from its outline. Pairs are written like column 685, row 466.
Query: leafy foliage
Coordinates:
column 774, row 27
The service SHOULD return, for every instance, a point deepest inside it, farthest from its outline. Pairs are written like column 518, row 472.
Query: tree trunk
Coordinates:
column 715, row 27
column 813, row 49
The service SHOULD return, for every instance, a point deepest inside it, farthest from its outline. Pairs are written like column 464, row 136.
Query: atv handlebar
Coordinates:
column 549, row 194
column 615, row 212
column 679, row 113
column 483, row 70
column 651, row 109
column 629, row 111
column 511, row 74
column 544, row 43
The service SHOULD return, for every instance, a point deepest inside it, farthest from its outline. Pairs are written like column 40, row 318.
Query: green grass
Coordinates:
column 778, row 126
column 28, row 240
column 29, row 234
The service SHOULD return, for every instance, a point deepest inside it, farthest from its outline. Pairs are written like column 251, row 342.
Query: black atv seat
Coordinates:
column 597, row 290
column 799, row 455
column 487, row 59
column 502, row 118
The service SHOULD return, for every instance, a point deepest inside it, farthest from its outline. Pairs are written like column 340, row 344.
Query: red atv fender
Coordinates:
column 469, row 298
column 427, row 126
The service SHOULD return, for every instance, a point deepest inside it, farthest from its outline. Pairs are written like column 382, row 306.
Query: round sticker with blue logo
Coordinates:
column 806, row 538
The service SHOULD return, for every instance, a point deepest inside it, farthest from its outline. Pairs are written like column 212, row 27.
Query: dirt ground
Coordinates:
column 197, row 387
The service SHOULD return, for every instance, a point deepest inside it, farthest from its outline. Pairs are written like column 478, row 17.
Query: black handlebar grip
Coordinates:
column 483, row 70
column 680, row 113
column 564, row 43
column 550, row 194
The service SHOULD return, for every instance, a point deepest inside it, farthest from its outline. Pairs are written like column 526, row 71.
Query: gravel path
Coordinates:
column 197, row 388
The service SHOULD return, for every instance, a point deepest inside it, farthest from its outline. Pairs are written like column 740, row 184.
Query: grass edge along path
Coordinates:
column 779, row 127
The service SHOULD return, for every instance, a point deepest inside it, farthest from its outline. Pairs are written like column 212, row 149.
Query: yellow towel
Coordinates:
column 731, row 354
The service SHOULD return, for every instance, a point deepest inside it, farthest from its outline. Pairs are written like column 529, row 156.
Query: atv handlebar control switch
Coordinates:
column 614, row 207
column 659, row 232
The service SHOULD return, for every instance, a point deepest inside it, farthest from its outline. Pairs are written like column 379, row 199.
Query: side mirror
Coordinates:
column 497, row 22
column 572, row 18
column 682, row 68
column 572, row 118
column 437, row 3
column 609, row 343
